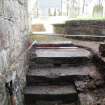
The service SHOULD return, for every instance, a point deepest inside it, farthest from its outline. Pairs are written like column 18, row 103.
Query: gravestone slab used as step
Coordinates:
column 61, row 52
column 60, row 56
column 51, row 93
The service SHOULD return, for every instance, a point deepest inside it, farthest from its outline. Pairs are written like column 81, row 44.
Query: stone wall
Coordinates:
column 81, row 27
column 85, row 27
column 59, row 28
column 13, row 37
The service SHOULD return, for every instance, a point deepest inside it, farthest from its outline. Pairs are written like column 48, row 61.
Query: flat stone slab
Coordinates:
column 62, row 52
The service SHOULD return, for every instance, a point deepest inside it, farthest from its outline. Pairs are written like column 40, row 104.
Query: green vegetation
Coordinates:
column 89, row 18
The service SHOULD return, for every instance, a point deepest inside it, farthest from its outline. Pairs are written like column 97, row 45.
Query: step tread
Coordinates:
column 60, row 52
column 61, row 71
column 50, row 90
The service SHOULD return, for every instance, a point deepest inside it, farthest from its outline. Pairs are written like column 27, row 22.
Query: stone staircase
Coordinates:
column 52, row 74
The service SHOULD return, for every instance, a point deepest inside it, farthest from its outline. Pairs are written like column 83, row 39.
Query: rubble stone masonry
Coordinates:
column 81, row 27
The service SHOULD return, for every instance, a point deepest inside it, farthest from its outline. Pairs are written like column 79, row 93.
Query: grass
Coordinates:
column 89, row 18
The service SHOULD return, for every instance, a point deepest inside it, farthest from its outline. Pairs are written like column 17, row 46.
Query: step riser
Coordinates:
column 78, row 60
column 33, row 65
column 52, row 45
column 31, row 99
column 31, row 81
column 34, row 81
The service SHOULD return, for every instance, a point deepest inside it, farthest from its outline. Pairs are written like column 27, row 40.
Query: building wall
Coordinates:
column 13, row 37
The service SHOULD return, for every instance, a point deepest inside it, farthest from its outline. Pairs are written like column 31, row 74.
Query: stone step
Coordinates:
column 50, row 93
column 61, row 56
column 58, row 75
